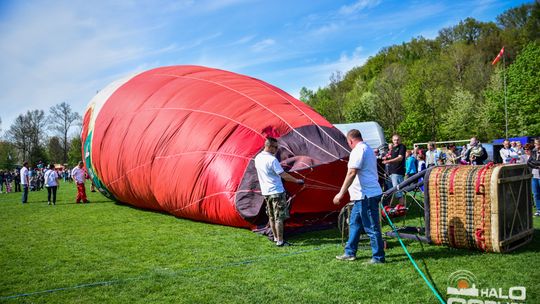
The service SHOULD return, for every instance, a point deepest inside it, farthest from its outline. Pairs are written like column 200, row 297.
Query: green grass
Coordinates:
column 67, row 254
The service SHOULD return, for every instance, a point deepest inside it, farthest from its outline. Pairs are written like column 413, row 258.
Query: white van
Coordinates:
column 372, row 132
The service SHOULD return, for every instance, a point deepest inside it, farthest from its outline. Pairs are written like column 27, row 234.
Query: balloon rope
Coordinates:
column 209, row 113
column 172, row 156
column 211, row 195
column 257, row 102
column 305, row 114
column 435, row 292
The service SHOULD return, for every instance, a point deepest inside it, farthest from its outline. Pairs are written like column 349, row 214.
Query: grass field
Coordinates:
column 104, row 252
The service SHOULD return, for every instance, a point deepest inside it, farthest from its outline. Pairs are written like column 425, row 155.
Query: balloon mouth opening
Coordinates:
column 297, row 163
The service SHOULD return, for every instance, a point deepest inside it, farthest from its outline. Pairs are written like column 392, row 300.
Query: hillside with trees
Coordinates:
column 446, row 88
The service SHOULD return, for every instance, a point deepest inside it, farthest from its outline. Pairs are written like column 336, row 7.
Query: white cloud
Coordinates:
column 358, row 6
column 263, row 44
column 317, row 75
column 242, row 40
column 54, row 53
column 214, row 5
column 326, row 29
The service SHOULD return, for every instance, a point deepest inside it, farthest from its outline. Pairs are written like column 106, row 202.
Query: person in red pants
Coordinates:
column 79, row 174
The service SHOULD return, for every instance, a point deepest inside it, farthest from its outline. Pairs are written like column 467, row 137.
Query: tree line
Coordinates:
column 35, row 136
column 446, row 88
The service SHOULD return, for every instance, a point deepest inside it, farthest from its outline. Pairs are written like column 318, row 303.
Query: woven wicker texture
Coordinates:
column 460, row 206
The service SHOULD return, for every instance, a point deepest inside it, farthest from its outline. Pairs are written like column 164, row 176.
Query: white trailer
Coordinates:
column 372, row 132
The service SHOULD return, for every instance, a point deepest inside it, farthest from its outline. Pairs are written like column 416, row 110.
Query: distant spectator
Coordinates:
column 508, row 155
column 8, row 178
column 396, row 165
column 432, row 155
column 381, row 172
column 416, row 150
column 440, row 161
column 520, row 152
column 451, row 157
column 476, row 154
column 421, row 166
column 386, row 156
column 463, row 155
column 2, row 181
column 410, row 164
column 513, row 145
column 527, row 149
column 79, row 175
column 17, row 180
column 534, row 164
column 25, row 182
column 51, row 183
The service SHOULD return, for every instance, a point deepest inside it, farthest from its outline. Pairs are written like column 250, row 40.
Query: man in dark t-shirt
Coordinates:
column 396, row 165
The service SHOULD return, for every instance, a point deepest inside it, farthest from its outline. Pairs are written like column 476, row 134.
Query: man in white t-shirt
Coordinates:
column 508, row 155
column 270, row 173
column 79, row 175
column 365, row 191
column 25, row 182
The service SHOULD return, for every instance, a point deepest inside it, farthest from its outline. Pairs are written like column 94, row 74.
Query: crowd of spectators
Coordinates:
column 391, row 158
column 10, row 180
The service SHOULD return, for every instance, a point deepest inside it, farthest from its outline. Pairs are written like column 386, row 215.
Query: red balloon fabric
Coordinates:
column 182, row 139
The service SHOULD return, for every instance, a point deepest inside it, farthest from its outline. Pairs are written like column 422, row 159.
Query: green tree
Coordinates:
column 460, row 120
column 388, row 88
column 306, row 95
column 75, row 151
column 492, row 114
column 27, row 134
column 56, row 151
column 523, row 89
column 417, row 88
column 7, row 155
column 61, row 119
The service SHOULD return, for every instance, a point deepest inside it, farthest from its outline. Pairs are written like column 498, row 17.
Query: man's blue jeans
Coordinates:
column 25, row 194
column 365, row 217
column 536, row 192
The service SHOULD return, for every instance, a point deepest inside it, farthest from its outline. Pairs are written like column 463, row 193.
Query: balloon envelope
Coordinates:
column 182, row 139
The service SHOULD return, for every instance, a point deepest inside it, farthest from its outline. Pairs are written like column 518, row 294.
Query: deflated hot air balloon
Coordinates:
column 182, row 140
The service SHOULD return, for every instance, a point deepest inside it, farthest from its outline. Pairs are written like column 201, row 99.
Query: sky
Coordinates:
column 66, row 51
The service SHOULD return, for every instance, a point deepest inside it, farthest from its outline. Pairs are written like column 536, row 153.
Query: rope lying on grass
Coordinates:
column 410, row 257
column 171, row 274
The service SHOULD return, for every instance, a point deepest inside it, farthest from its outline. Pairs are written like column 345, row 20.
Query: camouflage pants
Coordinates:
column 277, row 207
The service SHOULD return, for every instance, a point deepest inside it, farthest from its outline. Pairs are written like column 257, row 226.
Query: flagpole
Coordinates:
column 505, row 103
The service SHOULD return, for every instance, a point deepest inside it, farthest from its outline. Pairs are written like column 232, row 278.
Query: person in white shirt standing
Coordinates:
column 79, row 175
column 270, row 173
column 51, row 183
column 25, row 182
column 365, row 192
column 432, row 155
column 508, row 155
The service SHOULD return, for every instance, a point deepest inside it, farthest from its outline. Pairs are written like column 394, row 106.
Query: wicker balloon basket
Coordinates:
column 479, row 207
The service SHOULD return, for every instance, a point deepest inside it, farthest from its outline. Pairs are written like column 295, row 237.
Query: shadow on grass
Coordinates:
column 147, row 210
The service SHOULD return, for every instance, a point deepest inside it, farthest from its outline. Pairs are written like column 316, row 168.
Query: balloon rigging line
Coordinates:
column 255, row 101
column 212, row 195
column 172, row 156
column 305, row 114
column 209, row 113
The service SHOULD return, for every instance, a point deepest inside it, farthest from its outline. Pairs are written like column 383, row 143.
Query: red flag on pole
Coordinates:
column 498, row 57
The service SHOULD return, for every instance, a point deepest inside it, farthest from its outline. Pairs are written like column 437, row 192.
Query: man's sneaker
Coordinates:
column 537, row 213
column 373, row 262
column 49, row 203
column 345, row 257
column 283, row 244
